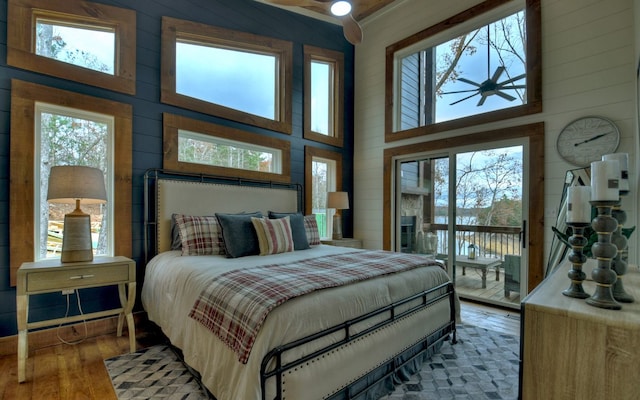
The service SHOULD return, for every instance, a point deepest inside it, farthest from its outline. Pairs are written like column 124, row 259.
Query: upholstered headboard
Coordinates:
column 166, row 195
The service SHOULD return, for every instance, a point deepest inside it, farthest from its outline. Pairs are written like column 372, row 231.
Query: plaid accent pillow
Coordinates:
column 199, row 235
column 274, row 235
column 311, row 229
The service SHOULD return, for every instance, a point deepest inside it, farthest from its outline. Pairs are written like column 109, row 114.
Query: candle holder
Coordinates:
column 577, row 259
column 604, row 251
column 619, row 264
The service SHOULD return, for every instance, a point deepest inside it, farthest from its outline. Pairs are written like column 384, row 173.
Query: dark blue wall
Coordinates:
column 244, row 15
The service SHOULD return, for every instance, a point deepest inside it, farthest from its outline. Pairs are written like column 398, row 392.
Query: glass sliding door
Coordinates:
column 466, row 208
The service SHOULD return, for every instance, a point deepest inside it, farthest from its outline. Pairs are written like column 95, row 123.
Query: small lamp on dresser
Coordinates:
column 75, row 184
column 338, row 201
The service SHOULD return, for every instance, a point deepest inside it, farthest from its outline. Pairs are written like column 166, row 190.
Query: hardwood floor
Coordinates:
column 78, row 372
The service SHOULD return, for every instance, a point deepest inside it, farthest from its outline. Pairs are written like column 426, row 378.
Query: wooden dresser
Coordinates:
column 571, row 350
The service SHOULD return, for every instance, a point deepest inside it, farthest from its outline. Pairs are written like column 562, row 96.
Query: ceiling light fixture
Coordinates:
column 340, row 8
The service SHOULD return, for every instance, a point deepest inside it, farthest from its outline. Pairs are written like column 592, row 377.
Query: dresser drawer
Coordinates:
column 77, row 277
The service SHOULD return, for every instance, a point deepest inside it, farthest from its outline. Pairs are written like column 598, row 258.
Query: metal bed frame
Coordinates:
column 393, row 311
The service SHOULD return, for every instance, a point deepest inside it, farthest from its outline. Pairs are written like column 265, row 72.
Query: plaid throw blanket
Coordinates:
column 235, row 304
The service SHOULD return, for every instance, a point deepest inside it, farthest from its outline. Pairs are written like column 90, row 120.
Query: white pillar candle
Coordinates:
column 605, row 180
column 578, row 206
column 623, row 159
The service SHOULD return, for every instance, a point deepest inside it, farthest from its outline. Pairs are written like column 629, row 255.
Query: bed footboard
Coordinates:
column 278, row 363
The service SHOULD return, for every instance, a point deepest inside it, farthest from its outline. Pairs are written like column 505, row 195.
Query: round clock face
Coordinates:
column 588, row 139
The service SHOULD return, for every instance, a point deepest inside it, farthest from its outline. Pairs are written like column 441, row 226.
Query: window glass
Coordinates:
column 85, row 46
column 324, row 180
column 71, row 137
column 482, row 70
column 321, row 97
column 238, row 79
column 204, row 149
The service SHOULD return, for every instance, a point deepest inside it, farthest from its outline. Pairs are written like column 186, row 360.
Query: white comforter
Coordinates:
column 172, row 284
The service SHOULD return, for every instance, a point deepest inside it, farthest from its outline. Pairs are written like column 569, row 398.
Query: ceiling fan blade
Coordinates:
column 461, row 91
column 505, row 96
column 465, row 80
column 517, row 78
column 465, row 98
column 352, row 29
column 500, row 87
column 496, row 75
column 483, row 97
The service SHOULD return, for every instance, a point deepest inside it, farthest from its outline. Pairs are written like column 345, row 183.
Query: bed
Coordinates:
column 345, row 340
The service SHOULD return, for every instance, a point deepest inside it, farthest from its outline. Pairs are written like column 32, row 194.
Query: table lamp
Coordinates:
column 337, row 201
column 73, row 184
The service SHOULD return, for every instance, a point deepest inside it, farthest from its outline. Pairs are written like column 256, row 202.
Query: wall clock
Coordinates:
column 587, row 139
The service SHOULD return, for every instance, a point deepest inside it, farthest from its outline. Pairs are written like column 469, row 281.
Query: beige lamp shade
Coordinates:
column 76, row 184
column 338, row 200
column 70, row 183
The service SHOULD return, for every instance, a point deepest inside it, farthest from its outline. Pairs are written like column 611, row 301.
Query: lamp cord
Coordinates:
column 66, row 314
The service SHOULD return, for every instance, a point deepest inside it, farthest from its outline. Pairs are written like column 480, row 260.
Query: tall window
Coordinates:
column 324, row 90
column 56, row 127
column 66, row 136
column 81, row 41
column 230, row 74
column 323, row 174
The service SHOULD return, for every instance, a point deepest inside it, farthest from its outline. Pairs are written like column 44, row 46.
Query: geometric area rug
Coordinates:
column 482, row 365
column 154, row 373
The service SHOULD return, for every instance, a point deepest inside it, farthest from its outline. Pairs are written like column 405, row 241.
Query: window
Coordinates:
column 323, row 173
column 81, row 45
column 201, row 147
column 324, row 90
column 66, row 136
column 73, row 118
column 67, row 40
column 465, row 71
column 233, row 75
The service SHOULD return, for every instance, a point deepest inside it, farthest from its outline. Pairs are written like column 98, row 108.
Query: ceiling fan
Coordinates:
column 491, row 86
column 340, row 9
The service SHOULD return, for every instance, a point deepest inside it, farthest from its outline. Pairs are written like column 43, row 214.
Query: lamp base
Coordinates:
column 76, row 239
column 337, row 227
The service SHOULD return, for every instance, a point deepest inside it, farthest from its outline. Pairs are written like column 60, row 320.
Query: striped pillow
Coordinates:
column 274, row 235
column 199, row 235
column 311, row 228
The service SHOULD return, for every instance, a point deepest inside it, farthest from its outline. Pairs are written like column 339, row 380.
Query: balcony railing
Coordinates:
column 490, row 241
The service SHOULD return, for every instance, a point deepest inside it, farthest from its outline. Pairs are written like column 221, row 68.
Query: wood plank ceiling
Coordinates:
column 360, row 8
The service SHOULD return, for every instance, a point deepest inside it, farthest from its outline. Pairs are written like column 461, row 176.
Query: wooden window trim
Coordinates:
column 535, row 133
column 172, row 123
column 21, row 19
column 309, row 154
column 24, row 96
column 534, row 73
column 174, row 29
column 312, row 53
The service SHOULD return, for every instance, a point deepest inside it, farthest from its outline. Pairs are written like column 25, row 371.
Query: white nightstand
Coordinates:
column 53, row 276
column 344, row 242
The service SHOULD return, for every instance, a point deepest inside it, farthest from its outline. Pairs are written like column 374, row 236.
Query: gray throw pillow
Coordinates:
column 239, row 235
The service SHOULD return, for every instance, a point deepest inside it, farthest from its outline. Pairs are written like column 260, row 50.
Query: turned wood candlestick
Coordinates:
column 577, row 259
column 604, row 251
column 619, row 264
